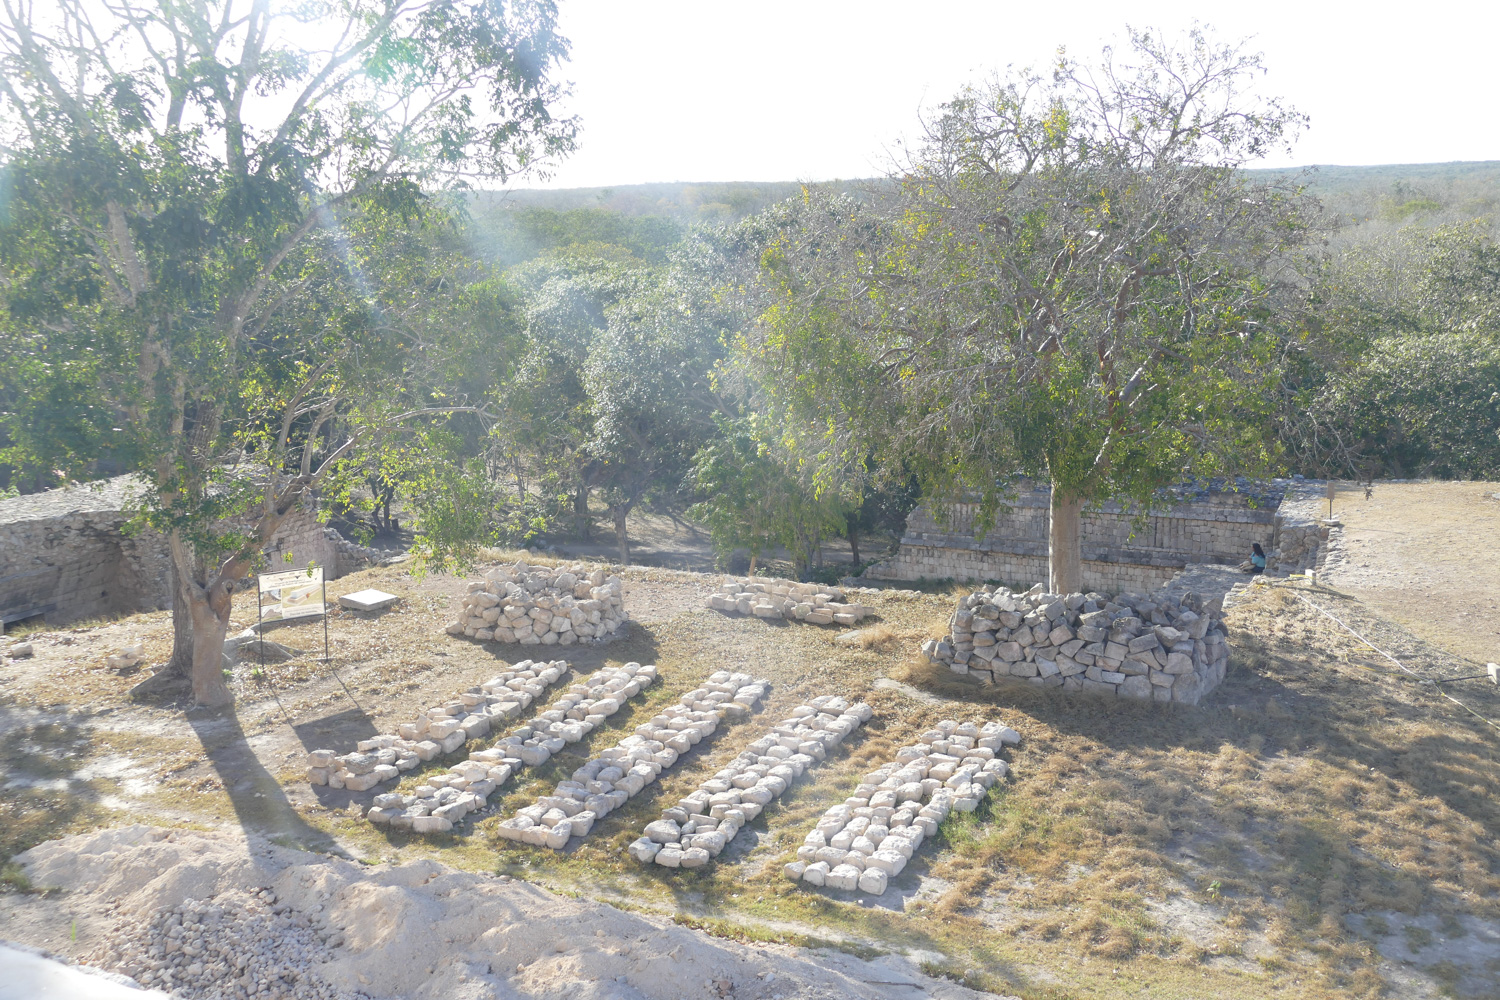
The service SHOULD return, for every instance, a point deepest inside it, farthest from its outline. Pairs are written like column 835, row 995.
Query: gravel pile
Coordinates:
column 238, row 946
column 415, row 931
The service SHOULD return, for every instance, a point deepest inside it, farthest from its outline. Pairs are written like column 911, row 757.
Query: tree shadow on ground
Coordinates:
column 260, row 804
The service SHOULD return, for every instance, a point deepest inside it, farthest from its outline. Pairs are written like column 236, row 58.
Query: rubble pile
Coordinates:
column 803, row 602
column 541, row 605
column 702, row 824
column 866, row 840
column 238, row 945
column 445, row 799
column 439, row 730
column 1162, row 647
column 608, row 781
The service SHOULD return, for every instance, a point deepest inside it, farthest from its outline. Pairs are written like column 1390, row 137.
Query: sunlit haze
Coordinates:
column 814, row 90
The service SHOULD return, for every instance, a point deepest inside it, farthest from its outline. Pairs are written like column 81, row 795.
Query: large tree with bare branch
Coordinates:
column 212, row 212
column 1072, row 279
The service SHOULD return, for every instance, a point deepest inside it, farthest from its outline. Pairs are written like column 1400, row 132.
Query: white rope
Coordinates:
column 1329, row 615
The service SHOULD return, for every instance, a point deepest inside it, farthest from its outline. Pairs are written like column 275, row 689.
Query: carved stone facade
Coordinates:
column 1121, row 552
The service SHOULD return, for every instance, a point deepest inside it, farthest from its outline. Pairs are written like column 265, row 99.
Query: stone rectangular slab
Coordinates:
column 368, row 600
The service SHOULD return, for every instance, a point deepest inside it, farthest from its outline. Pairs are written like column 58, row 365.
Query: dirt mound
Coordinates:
column 421, row 930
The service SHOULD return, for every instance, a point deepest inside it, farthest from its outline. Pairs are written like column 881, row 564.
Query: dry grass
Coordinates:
column 1219, row 851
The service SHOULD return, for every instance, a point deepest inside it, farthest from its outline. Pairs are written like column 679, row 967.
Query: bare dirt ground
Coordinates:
column 1323, row 826
column 1424, row 555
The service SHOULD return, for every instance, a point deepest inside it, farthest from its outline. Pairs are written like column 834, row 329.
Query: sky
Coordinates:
column 823, row 89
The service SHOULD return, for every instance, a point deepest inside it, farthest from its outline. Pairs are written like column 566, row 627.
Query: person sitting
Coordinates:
column 1257, row 559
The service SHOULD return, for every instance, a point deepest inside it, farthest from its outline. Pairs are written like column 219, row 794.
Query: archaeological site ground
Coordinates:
column 697, row 807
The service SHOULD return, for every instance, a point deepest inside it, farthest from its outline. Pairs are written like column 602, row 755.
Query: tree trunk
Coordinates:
column 854, row 545
column 199, row 628
column 754, row 557
column 581, row 512
column 210, row 613
column 1065, row 545
column 182, row 628
column 620, row 511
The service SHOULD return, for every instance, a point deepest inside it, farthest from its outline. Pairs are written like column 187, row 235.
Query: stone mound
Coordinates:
column 1163, row 647
column 540, row 605
column 764, row 597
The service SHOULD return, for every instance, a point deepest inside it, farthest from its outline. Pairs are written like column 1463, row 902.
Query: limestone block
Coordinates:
column 844, row 876
column 873, row 881
column 644, row 850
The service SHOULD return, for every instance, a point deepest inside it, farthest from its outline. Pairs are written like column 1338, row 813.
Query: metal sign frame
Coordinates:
column 268, row 582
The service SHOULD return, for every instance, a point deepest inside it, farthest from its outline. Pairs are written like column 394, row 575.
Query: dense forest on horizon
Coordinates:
column 511, row 226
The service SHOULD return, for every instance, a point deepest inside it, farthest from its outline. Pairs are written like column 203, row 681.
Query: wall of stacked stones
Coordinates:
column 1119, row 552
column 66, row 554
column 765, row 597
column 538, row 605
column 1161, row 647
column 1301, row 531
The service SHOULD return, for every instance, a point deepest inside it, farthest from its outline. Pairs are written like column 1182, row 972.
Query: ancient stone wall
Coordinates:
column 1121, row 550
column 1164, row 647
column 66, row 554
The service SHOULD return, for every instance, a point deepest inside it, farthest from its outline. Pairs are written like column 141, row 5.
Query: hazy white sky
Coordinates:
column 818, row 89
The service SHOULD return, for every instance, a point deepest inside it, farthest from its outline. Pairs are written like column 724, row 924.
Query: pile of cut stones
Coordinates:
column 803, row 602
column 866, row 840
column 238, row 945
column 703, row 823
column 1161, row 647
column 445, row 799
column 441, row 729
column 608, row 781
column 540, row 605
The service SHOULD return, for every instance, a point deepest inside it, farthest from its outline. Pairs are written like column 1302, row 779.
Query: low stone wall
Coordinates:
column 867, row 839
column 439, row 730
column 538, row 605
column 445, row 799
column 1122, row 551
column 701, row 825
column 609, row 780
column 767, row 598
column 1150, row 648
column 66, row 554
column 1301, row 528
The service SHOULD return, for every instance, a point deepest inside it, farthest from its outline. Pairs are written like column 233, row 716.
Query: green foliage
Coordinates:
column 1410, row 389
column 1049, row 292
column 754, row 494
column 235, row 244
column 1421, row 405
column 509, row 235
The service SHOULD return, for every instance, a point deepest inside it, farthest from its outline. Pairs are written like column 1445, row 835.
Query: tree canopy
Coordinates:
column 1074, row 282
column 218, row 218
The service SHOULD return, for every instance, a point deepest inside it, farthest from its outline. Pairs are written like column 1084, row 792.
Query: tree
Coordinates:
column 567, row 296
column 1073, row 280
column 652, row 392
column 1412, row 392
column 194, row 197
column 756, row 492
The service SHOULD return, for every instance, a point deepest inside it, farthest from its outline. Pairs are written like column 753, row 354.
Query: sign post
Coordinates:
column 300, row 593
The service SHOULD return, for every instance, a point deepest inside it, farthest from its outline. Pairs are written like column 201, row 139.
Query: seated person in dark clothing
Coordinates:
column 1257, row 559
